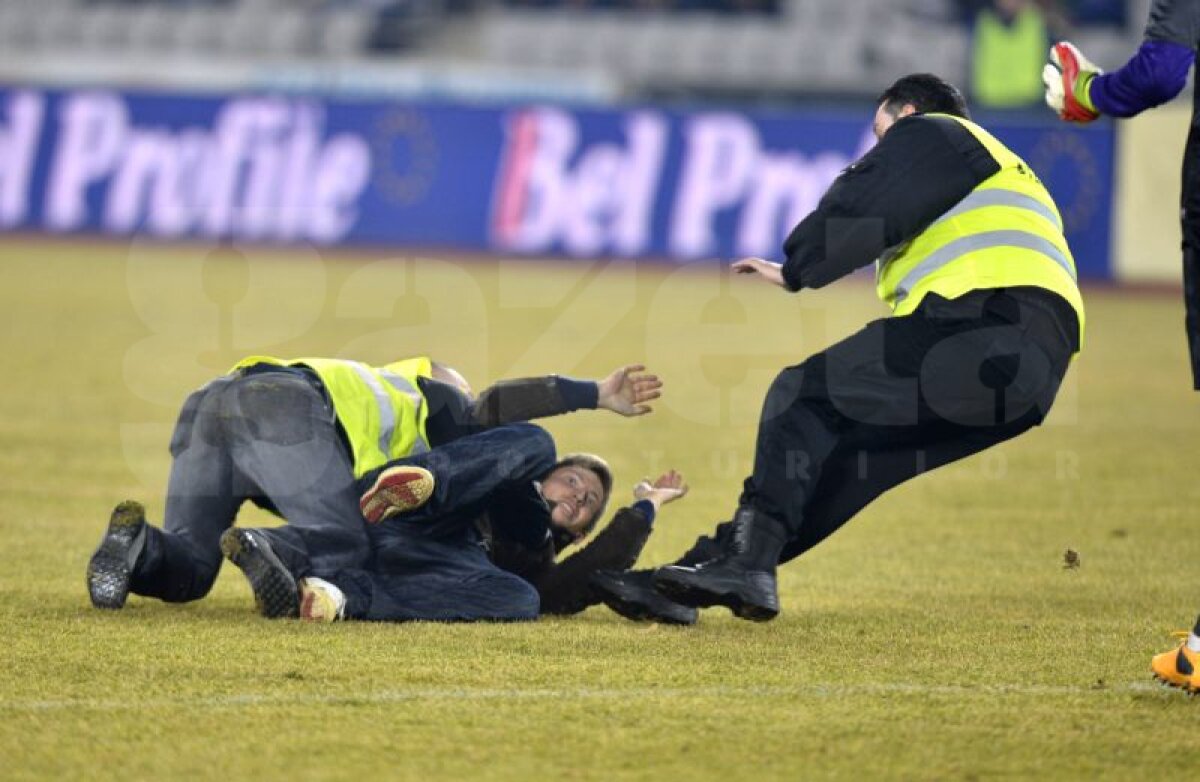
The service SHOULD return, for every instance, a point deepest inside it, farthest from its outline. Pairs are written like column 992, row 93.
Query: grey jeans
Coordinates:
column 267, row 436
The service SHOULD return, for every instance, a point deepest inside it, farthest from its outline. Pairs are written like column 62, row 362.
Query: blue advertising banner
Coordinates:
column 534, row 180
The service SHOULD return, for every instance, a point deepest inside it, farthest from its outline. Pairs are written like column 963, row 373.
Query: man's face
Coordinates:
column 885, row 118
column 575, row 495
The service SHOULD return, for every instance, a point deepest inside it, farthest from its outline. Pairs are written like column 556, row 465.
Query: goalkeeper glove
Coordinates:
column 1068, row 77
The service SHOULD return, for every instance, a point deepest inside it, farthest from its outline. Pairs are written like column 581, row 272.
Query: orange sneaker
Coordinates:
column 396, row 490
column 1179, row 667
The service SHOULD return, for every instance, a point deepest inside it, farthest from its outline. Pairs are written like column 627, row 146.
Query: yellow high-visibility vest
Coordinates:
column 1007, row 232
column 381, row 409
column 1007, row 60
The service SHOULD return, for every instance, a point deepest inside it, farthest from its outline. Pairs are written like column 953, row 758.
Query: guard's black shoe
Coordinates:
column 743, row 580
column 749, row 594
column 275, row 591
column 110, row 569
column 631, row 594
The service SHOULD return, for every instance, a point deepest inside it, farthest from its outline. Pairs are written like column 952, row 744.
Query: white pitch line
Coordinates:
column 582, row 693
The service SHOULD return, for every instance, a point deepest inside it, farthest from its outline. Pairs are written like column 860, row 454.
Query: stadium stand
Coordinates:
column 652, row 47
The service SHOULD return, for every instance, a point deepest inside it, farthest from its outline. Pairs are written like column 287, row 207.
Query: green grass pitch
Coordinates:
column 938, row 636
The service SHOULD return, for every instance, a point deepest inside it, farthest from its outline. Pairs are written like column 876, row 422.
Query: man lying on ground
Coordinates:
column 436, row 516
column 293, row 436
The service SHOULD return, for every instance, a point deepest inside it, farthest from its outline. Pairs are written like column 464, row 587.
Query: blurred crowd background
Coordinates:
column 788, row 50
column 687, row 130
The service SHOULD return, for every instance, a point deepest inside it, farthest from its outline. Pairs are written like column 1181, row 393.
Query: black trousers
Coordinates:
column 1190, row 220
column 901, row 397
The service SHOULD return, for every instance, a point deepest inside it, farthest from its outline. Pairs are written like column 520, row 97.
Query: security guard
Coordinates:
column 973, row 263
column 294, row 436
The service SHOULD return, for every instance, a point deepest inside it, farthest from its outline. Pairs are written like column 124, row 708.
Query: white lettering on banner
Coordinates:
column 603, row 204
column 720, row 156
column 18, row 151
column 342, row 173
column 93, row 130
column 262, row 172
column 591, row 199
column 726, row 168
column 788, row 187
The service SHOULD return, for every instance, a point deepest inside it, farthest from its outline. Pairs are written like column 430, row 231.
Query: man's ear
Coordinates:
column 907, row 110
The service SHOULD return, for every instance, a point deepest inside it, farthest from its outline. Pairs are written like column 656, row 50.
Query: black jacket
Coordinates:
column 564, row 585
column 921, row 168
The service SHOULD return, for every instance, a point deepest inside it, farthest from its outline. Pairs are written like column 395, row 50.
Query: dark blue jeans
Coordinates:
column 270, row 437
column 430, row 563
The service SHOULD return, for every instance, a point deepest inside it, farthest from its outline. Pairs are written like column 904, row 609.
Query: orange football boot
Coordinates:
column 1179, row 667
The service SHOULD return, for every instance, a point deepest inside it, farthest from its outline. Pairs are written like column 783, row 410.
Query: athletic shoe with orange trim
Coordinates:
column 396, row 490
column 1179, row 667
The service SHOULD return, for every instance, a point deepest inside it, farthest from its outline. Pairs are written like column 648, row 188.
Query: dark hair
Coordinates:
column 927, row 93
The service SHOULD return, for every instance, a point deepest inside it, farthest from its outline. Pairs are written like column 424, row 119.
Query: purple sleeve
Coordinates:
column 1151, row 77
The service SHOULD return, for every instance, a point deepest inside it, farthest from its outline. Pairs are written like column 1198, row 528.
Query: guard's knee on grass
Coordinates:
column 173, row 571
column 185, row 584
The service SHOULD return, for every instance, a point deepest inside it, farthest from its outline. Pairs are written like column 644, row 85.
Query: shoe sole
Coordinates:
column 396, row 491
column 639, row 613
column 275, row 592
column 110, row 570
column 673, row 587
column 1168, row 683
column 630, row 608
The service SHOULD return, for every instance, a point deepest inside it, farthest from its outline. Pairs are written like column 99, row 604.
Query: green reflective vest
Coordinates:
column 1007, row 232
column 381, row 409
column 1007, row 61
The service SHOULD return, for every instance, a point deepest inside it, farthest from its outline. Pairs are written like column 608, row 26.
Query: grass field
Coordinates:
column 937, row 637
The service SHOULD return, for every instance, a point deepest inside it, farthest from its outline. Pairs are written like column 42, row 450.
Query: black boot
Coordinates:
column 111, row 568
column 743, row 580
column 631, row 594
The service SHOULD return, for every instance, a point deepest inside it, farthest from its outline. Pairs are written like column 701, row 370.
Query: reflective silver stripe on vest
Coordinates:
column 387, row 414
column 1001, row 197
column 402, row 384
column 951, row 252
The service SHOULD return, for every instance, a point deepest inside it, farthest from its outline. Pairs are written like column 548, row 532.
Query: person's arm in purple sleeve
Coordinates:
column 1080, row 92
column 1153, row 76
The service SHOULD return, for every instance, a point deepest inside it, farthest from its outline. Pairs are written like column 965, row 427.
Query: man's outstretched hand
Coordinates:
column 668, row 488
column 771, row 272
column 627, row 391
